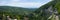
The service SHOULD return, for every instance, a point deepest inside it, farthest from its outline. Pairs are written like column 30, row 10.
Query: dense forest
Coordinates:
column 15, row 11
column 49, row 11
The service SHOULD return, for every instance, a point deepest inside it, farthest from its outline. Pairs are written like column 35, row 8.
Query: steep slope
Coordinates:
column 48, row 9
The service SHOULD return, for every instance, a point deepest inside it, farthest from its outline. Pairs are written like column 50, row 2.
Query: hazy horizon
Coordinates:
column 24, row 3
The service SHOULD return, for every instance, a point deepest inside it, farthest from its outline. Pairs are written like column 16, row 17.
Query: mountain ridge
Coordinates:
column 15, row 10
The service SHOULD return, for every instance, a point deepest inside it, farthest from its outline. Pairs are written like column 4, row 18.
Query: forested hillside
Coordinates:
column 15, row 10
column 51, row 8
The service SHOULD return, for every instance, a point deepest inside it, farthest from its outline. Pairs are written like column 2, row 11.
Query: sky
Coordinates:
column 24, row 3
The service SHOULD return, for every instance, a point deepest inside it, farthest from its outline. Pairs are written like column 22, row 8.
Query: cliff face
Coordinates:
column 53, row 6
column 48, row 9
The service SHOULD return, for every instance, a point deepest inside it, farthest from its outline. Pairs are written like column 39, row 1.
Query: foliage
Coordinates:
column 15, row 12
column 58, row 7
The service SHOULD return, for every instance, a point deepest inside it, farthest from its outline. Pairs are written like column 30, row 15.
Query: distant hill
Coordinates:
column 15, row 10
